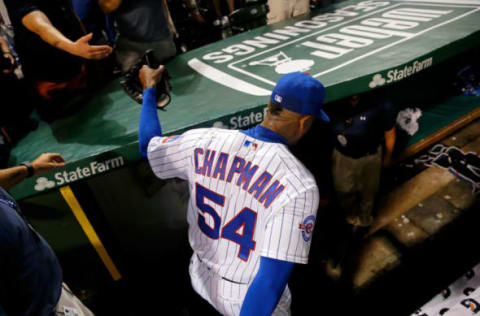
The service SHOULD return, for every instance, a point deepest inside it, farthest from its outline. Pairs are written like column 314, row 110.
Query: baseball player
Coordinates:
column 252, row 204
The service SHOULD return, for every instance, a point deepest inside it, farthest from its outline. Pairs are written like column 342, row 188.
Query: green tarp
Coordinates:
column 353, row 47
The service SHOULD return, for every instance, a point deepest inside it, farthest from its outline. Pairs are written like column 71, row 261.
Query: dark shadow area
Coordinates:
column 424, row 271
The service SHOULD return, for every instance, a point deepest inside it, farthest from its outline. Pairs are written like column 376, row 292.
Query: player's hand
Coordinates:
column 149, row 77
column 83, row 49
column 47, row 162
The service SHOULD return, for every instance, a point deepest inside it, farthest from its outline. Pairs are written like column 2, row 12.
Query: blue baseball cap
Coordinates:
column 300, row 93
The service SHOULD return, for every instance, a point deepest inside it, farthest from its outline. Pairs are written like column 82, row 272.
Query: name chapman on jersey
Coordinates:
column 344, row 40
column 65, row 177
column 209, row 164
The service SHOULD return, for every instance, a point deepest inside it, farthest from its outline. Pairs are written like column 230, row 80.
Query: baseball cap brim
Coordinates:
column 320, row 113
column 323, row 116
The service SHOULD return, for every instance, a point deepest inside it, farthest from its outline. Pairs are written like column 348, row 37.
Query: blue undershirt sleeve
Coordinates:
column 267, row 287
column 149, row 125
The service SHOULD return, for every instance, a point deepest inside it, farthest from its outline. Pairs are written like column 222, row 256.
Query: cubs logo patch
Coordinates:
column 170, row 139
column 471, row 304
column 307, row 227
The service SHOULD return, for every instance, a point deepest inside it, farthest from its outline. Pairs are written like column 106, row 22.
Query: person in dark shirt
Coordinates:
column 142, row 25
column 15, row 121
column 93, row 20
column 359, row 129
column 52, row 45
column 30, row 274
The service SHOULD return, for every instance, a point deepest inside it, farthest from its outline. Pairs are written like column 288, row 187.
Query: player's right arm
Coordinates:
column 149, row 126
column 168, row 156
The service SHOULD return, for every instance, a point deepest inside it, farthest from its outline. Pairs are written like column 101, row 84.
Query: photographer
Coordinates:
column 15, row 121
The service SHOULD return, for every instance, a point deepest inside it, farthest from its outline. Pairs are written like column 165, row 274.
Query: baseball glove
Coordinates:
column 133, row 87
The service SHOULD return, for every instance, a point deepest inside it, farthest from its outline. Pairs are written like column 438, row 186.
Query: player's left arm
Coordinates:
column 267, row 287
column 291, row 223
column 149, row 125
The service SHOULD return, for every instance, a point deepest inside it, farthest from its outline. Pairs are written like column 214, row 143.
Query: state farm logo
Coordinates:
column 397, row 74
column 43, row 183
column 68, row 176
column 377, row 81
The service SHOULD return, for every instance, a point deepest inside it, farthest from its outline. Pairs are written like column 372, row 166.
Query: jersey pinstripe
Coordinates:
column 248, row 198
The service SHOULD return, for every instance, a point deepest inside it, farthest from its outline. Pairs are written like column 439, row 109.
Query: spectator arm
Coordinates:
column 170, row 20
column 4, row 46
column 38, row 23
column 12, row 176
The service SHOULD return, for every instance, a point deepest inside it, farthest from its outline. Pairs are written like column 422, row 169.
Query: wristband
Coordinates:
column 30, row 170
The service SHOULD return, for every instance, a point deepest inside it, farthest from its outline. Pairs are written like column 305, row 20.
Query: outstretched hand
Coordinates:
column 83, row 49
column 149, row 77
column 47, row 162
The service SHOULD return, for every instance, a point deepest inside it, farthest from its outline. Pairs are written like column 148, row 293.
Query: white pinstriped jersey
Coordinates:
column 248, row 198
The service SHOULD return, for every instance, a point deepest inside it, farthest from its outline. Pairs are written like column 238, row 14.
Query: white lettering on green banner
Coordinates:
column 66, row 177
column 326, row 43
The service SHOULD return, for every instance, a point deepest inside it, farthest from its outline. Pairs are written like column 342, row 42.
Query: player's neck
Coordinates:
column 277, row 127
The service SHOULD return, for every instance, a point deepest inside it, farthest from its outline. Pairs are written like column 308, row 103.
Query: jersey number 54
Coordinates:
column 239, row 229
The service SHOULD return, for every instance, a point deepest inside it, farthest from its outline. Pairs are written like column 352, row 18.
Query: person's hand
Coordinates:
column 9, row 56
column 150, row 77
column 47, row 162
column 83, row 49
